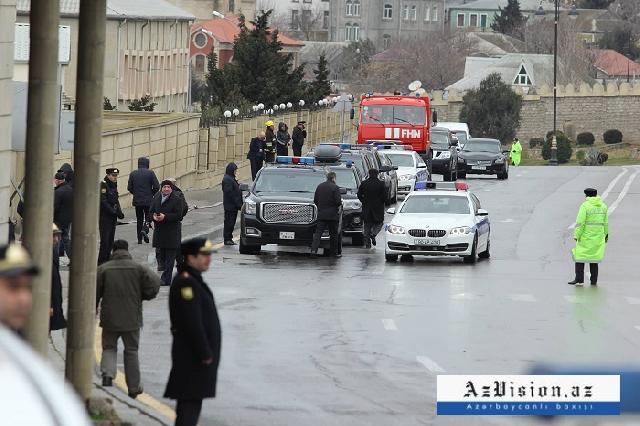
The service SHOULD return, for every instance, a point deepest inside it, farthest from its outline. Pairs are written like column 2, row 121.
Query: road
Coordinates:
column 357, row 341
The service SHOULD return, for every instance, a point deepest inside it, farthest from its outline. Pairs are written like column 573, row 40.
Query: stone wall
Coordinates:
column 592, row 109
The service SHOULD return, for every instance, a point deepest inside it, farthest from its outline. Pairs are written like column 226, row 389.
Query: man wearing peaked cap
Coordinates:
column 16, row 270
column 298, row 136
column 195, row 352
column 110, row 212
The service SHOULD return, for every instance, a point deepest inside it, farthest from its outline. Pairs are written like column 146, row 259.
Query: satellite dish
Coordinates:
column 415, row 85
column 421, row 92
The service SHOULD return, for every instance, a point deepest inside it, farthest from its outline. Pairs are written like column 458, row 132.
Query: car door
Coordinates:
column 482, row 224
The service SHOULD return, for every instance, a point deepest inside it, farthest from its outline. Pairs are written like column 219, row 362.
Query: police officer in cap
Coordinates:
column 195, row 326
column 16, row 272
column 110, row 212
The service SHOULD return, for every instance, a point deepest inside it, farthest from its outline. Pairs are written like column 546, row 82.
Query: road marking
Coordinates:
column 120, row 382
column 462, row 296
column 623, row 194
column 523, row 298
column 633, row 300
column 430, row 364
column 389, row 324
column 506, row 221
column 574, row 299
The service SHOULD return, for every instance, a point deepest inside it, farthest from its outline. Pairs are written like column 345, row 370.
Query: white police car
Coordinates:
column 411, row 167
column 439, row 219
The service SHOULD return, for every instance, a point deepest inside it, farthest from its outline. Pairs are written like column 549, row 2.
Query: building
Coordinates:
column 384, row 21
column 610, row 65
column 304, row 20
column 203, row 9
column 147, row 51
column 219, row 34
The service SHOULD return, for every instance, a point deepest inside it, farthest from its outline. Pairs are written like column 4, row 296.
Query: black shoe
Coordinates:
column 135, row 394
column 337, row 256
column 139, row 241
column 229, row 243
column 594, row 283
column 373, row 240
column 145, row 237
column 367, row 245
column 575, row 282
column 107, row 381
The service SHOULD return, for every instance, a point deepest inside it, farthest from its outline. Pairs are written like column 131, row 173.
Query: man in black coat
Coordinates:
column 68, row 173
column 298, row 136
column 372, row 195
column 143, row 185
column 256, row 154
column 110, row 212
column 63, row 212
column 328, row 201
column 57, row 320
column 166, row 211
column 185, row 210
column 232, row 202
column 197, row 335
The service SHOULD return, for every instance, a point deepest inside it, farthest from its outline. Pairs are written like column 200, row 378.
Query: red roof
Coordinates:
column 613, row 63
column 226, row 29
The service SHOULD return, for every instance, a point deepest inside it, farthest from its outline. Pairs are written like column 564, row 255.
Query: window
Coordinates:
column 386, row 41
column 325, row 20
column 295, row 19
column 405, row 12
column 387, row 11
column 200, row 40
column 356, row 8
column 522, row 79
column 483, row 20
column 200, row 59
column 306, row 19
column 347, row 32
column 349, row 8
column 427, row 14
column 473, row 20
column 306, row 1
column 390, row 114
column 434, row 14
column 460, row 20
column 351, row 32
column 414, row 13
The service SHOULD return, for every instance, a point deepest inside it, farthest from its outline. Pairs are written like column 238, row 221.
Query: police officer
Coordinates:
column 110, row 212
column 516, row 152
column 270, row 142
column 195, row 352
column 16, row 272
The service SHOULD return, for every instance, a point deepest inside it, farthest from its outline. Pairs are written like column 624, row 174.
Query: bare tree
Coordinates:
column 302, row 19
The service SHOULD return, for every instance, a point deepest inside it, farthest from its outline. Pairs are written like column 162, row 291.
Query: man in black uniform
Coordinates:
column 195, row 352
column 298, row 137
column 110, row 212
column 373, row 196
column 328, row 200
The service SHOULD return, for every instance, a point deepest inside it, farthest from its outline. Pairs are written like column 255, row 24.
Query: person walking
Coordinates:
column 57, row 320
column 372, row 195
column 16, row 273
column 516, row 152
column 63, row 212
column 328, row 200
column 232, row 202
column 283, row 138
column 197, row 334
column 122, row 285
column 256, row 153
column 185, row 210
column 270, row 142
column 167, row 211
column 143, row 185
column 68, row 173
column 110, row 212
column 298, row 136
column 591, row 235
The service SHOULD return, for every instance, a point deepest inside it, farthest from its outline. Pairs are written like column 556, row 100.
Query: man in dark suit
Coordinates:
column 256, row 154
column 298, row 136
column 232, row 202
column 143, row 185
column 372, row 194
column 328, row 201
column 63, row 212
column 110, row 212
column 167, row 211
column 197, row 335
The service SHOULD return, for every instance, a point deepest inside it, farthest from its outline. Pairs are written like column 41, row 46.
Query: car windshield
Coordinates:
column 345, row 177
column 393, row 114
column 462, row 137
column 482, row 146
column 358, row 161
column 439, row 140
column 447, row 204
column 401, row 160
column 279, row 181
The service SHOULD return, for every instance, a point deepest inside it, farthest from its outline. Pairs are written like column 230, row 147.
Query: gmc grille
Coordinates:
column 437, row 233
column 288, row 213
column 420, row 233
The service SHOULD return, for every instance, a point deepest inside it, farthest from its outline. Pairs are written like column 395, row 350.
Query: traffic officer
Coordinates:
column 110, row 212
column 195, row 352
column 270, row 142
column 516, row 152
column 591, row 235
column 16, row 272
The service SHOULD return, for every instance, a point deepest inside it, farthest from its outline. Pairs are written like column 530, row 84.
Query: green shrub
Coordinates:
column 585, row 138
column 580, row 156
column 612, row 136
column 563, row 145
column 536, row 143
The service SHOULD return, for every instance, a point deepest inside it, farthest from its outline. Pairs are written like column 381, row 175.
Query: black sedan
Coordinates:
column 483, row 156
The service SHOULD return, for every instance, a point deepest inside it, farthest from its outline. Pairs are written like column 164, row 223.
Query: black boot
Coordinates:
column 107, row 381
column 575, row 282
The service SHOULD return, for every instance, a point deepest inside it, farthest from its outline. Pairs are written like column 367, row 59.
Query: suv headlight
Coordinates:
column 407, row 177
column 249, row 206
column 351, row 204
column 463, row 230
column 444, row 155
column 395, row 229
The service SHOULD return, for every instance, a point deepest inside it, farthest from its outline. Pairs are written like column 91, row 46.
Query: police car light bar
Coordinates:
column 307, row 161
column 394, row 147
column 442, row 186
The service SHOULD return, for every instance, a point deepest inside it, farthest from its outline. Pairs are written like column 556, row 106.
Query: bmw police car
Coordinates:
column 439, row 219
column 411, row 167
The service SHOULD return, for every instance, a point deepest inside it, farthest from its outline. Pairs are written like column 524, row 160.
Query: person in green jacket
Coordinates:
column 516, row 152
column 591, row 235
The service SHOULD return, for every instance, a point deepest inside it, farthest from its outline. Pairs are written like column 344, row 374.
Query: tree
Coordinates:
column 142, row 104
column 563, row 145
column 510, row 20
column 215, row 88
column 492, row 110
column 354, row 60
column 320, row 87
column 106, row 104
column 623, row 40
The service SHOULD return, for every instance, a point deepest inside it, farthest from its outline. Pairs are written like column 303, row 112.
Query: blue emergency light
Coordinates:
column 306, row 161
column 443, row 186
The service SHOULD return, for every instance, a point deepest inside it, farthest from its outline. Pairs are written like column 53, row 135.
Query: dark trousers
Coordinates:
column 371, row 229
column 332, row 226
column 256, row 165
column 168, row 258
column 297, row 150
column 65, row 240
column 188, row 412
column 142, row 218
column 131, row 340
column 107, row 235
column 230, row 217
column 593, row 269
column 282, row 150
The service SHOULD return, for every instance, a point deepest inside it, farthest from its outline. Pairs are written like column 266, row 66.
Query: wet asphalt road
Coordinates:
column 357, row 341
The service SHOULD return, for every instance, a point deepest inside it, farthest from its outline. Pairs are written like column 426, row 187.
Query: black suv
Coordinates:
column 483, row 156
column 445, row 153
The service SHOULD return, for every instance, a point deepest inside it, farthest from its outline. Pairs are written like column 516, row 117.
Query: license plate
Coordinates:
column 479, row 167
column 287, row 235
column 426, row 242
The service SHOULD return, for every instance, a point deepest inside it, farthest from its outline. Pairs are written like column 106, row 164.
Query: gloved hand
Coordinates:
column 120, row 215
column 606, row 238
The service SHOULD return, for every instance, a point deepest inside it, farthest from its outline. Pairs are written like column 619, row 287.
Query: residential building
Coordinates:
column 384, row 21
column 610, row 65
column 203, row 9
column 7, row 18
column 146, row 51
column 304, row 20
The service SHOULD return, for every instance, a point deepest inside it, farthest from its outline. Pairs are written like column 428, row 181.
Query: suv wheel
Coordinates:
column 248, row 249
column 472, row 258
column 391, row 257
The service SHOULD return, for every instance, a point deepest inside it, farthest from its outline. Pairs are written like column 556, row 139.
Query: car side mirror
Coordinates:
column 482, row 212
column 394, row 167
column 506, row 152
column 422, row 166
column 386, row 169
column 343, row 191
column 392, row 210
column 244, row 187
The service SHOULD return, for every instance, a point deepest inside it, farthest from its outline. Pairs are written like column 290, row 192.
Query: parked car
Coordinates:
column 444, row 145
column 483, row 156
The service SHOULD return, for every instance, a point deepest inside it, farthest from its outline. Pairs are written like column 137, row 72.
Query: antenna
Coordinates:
column 415, row 85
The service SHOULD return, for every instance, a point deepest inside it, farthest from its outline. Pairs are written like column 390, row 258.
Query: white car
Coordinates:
column 443, row 219
column 411, row 167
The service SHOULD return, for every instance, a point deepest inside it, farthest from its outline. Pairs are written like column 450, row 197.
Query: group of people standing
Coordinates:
column 269, row 143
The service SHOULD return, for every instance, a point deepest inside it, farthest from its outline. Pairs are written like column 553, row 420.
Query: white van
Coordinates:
column 461, row 130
